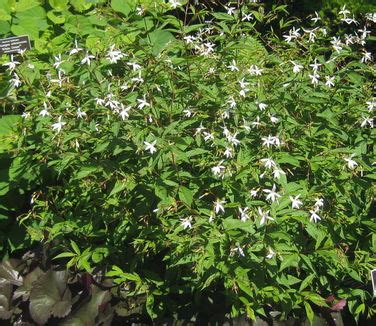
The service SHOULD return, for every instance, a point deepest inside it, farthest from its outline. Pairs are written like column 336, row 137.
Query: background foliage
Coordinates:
column 132, row 160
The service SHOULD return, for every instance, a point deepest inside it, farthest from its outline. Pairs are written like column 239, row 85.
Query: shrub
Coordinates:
column 192, row 157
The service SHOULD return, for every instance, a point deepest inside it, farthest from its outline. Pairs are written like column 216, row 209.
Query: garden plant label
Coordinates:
column 14, row 44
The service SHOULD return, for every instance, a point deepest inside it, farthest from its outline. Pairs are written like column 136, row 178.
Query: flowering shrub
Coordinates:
column 197, row 154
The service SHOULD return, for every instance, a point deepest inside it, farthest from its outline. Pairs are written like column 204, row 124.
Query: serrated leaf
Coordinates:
column 86, row 314
column 50, row 296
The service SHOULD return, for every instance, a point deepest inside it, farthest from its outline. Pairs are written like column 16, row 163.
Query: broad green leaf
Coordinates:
column 59, row 5
column 159, row 39
column 81, row 5
column 123, row 6
column 186, row 195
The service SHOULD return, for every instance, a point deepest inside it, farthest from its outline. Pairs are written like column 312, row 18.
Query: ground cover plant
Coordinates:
column 192, row 154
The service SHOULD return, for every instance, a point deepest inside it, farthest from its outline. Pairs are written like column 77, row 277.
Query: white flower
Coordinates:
column 344, row 11
column 199, row 129
column 81, row 114
column 135, row 66
column 87, row 59
column 150, row 146
column 273, row 119
column 58, row 61
column 277, row 173
column 100, row 101
column 239, row 250
column 232, row 102
column 314, row 216
column 364, row 32
column 16, row 81
column 271, row 194
column 218, row 206
column 268, row 163
column 230, row 10
column 25, row 115
column 189, row 39
column 329, row 81
column 124, row 112
column 138, row 79
column 142, row 103
column 314, row 78
column 228, row 152
column 262, row 106
column 351, row 164
column 371, row 105
column 254, row 192
column 76, row 49
column 44, row 112
column 367, row 56
column 218, row 169
column 207, row 136
column 233, row 66
column 243, row 84
column 11, row 64
column 114, row 55
column 174, row 3
column 271, row 140
column 367, row 120
column 264, row 216
column 295, row 202
column 255, row 70
column 270, row 254
column 243, row 214
column 316, row 18
column 296, row 67
column 315, row 66
column 319, row 202
column 140, row 10
column 247, row 17
column 58, row 125
column 233, row 140
column 256, row 123
column 337, row 44
column 186, row 222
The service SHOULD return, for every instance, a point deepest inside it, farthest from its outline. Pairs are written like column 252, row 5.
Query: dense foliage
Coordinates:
column 188, row 153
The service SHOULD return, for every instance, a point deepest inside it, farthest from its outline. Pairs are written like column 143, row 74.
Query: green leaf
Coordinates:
column 119, row 186
column 30, row 22
column 81, row 5
column 85, row 172
column 159, row 39
column 289, row 261
column 59, row 5
column 307, row 281
column 123, row 6
column 56, row 17
column 23, row 5
column 186, row 195
column 75, row 247
column 309, row 311
column 65, row 254
column 8, row 124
